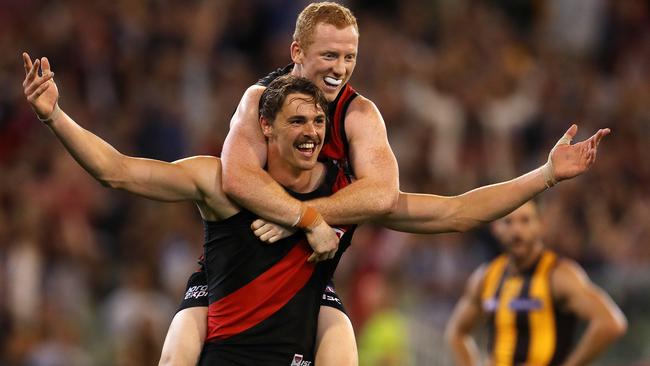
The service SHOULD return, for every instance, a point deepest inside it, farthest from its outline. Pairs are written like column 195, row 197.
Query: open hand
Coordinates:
column 40, row 90
column 568, row 161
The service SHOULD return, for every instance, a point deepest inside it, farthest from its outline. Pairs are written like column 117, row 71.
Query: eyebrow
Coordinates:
column 297, row 117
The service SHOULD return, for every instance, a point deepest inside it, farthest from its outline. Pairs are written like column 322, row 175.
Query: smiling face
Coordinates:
column 296, row 135
column 520, row 232
column 329, row 59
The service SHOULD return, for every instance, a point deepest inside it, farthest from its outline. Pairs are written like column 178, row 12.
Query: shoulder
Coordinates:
column 567, row 275
column 361, row 104
column 204, row 170
column 253, row 93
column 568, row 269
column 364, row 121
column 475, row 282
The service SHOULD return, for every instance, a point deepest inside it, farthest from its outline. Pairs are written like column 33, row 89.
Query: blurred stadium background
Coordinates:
column 472, row 92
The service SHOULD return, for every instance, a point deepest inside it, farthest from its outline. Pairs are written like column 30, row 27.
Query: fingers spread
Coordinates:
column 27, row 62
column 46, row 65
column 32, row 72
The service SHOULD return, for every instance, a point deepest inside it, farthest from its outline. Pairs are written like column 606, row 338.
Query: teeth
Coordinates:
column 306, row 145
column 332, row 81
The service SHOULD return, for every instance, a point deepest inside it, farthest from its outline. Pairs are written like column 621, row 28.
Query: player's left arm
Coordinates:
column 427, row 213
column 376, row 188
column 606, row 323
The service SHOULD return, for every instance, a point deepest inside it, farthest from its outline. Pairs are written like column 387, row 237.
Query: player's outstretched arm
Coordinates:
column 150, row 178
column 425, row 213
column 605, row 321
column 466, row 315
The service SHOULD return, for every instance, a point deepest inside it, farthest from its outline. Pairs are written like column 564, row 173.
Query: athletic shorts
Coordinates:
column 196, row 294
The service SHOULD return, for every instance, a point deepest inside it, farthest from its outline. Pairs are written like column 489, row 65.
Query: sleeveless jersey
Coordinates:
column 525, row 324
column 264, row 299
column 335, row 149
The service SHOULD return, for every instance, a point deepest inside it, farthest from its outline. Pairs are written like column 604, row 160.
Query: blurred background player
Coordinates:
column 532, row 300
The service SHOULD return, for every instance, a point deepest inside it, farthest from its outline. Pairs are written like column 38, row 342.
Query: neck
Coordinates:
column 294, row 178
column 523, row 264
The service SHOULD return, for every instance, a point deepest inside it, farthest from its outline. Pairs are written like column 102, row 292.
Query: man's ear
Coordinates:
column 267, row 128
column 297, row 53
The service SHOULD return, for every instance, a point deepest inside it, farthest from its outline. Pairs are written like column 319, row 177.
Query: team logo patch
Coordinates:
column 525, row 304
column 298, row 360
column 490, row 305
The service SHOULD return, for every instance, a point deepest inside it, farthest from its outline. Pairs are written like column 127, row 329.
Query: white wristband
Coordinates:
column 51, row 116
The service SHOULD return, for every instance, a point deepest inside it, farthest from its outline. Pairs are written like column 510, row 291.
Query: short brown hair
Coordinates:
column 324, row 12
column 276, row 93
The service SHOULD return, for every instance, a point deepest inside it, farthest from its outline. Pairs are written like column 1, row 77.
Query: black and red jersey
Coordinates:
column 264, row 299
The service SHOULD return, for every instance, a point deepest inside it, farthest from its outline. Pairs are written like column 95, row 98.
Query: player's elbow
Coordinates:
column 618, row 326
column 386, row 201
column 232, row 184
column 452, row 334
column 613, row 327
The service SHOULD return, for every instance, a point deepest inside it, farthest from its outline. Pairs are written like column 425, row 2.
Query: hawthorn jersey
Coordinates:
column 526, row 326
column 264, row 299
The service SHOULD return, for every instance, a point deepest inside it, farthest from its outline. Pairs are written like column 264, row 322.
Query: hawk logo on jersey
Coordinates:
column 298, row 361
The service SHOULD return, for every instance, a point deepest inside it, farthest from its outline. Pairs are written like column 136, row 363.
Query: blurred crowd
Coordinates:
column 472, row 92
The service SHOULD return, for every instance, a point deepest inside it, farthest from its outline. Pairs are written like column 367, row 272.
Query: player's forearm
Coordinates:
column 485, row 204
column 95, row 155
column 596, row 338
column 255, row 190
column 428, row 214
column 361, row 201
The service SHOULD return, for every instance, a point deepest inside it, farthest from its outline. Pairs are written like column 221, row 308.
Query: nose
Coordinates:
column 339, row 67
column 309, row 129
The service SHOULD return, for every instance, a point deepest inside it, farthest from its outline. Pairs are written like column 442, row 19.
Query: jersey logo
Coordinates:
column 525, row 304
column 490, row 305
column 516, row 305
column 298, row 361
column 196, row 292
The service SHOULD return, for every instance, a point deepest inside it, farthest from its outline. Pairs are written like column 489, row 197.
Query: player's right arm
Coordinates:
column 150, row 178
column 465, row 317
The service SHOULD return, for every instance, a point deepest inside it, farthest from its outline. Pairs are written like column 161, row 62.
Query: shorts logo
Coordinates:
column 298, row 361
column 196, row 292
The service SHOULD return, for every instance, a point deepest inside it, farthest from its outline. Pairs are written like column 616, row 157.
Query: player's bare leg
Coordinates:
column 335, row 341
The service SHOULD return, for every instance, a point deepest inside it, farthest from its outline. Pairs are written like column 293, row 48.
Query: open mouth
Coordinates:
column 332, row 82
column 307, row 148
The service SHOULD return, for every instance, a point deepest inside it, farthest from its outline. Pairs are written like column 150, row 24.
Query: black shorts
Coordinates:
column 196, row 294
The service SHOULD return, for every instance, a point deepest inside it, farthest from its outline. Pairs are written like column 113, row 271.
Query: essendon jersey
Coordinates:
column 336, row 142
column 264, row 299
